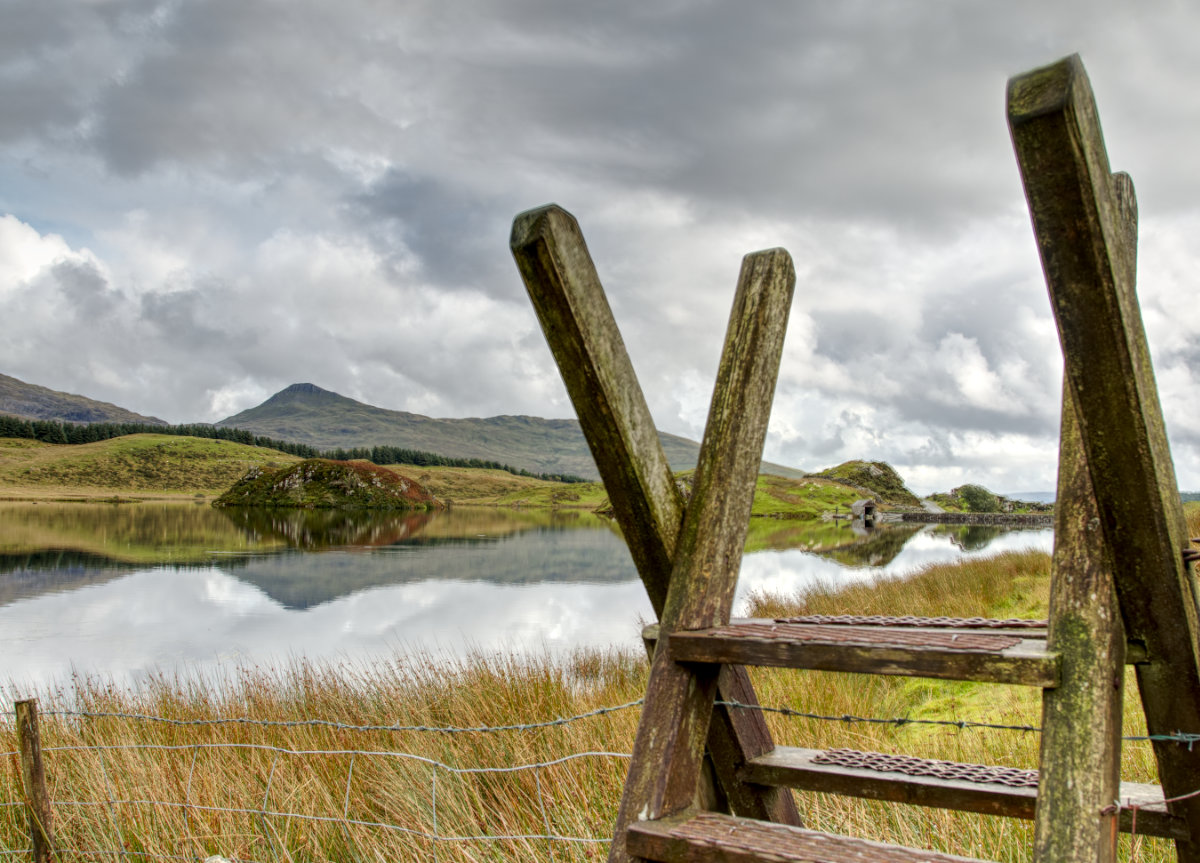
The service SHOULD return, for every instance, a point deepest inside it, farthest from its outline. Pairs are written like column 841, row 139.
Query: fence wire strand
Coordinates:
column 111, row 803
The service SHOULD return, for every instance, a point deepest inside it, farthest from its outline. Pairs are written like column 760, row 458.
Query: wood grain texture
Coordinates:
column 1080, row 216
column 1081, row 718
column 587, row 346
column 676, row 716
column 33, row 775
column 575, row 316
column 705, row 837
column 1028, row 663
column 794, row 767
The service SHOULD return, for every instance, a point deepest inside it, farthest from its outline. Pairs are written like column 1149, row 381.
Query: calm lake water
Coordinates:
column 132, row 590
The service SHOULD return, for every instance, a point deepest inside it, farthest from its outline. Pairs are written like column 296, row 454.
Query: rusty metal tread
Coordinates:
column 940, row 784
column 909, row 620
column 707, row 836
column 984, row 774
column 868, row 635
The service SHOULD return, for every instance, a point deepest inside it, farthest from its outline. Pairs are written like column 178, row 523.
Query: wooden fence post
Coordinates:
column 37, row 799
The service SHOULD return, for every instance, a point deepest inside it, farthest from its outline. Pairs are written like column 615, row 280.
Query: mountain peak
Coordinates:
column 303, row 390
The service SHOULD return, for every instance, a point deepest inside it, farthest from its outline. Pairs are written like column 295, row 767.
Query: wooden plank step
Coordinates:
column 1030, row 630
column 923, row 782
column 706, row 837
column 997, row 657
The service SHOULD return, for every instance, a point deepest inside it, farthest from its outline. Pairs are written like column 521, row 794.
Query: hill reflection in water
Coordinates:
column 130, row 590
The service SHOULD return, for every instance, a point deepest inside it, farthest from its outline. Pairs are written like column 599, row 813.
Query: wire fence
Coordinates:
column 479, row 797
column 253, row 800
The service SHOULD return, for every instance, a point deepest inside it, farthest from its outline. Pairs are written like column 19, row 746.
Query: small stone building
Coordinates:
column 863, row 510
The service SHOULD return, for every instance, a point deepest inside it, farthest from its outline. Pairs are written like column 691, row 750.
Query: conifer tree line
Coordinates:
column 53, row 431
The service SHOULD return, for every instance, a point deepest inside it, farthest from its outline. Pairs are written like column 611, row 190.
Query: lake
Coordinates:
column 126, row 591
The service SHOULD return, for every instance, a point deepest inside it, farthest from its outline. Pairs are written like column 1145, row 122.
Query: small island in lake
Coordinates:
column 318, row 483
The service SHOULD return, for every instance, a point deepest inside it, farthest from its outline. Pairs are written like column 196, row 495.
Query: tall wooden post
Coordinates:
column 1081, row 218
column 667, row 751
column 37, row 799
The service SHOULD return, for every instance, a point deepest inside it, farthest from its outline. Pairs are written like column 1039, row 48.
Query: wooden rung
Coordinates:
column 706, row 837
column 1030, row 631
column 792, row 767
column 984, row 656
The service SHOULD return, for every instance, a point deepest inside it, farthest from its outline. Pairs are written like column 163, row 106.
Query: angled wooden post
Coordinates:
column 583, row 336
column 667, row 751
column 1080, row 217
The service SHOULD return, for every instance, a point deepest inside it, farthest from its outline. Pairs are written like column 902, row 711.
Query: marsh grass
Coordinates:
column 251, row 767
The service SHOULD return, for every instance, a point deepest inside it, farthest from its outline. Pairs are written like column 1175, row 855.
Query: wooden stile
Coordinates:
column 1121, row 589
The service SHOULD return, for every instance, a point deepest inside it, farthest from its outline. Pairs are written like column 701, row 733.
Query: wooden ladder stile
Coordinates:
column 1121, row 591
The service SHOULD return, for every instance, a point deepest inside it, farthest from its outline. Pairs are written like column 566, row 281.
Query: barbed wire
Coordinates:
column 344, row 726
column 1190, row 739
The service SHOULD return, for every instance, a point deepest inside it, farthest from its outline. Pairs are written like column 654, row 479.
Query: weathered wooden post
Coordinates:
column 1084, row 220
column 33, row 775
column 679, row 698
column 561, row 279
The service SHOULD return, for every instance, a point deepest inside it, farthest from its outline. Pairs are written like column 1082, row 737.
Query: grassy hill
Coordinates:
column 32, row 402
column 877, row 479
column 142, row 465
column 305, row 413
column 151, row 466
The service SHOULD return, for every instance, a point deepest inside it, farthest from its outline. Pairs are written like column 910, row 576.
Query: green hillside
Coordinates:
column 307, row 414
column 33, row 402
column 877, row 479
column 134, row 465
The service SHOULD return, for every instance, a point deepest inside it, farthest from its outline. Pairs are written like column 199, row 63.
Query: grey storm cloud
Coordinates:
column 208, row 201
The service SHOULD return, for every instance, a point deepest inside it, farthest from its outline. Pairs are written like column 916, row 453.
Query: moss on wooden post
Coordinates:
column 667, row 751
column 579, row 326
column 1081, row 215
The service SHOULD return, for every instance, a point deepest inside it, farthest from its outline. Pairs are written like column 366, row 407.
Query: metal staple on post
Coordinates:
column 33, row 774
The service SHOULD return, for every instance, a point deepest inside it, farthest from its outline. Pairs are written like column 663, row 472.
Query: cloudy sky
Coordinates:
column 203, row 201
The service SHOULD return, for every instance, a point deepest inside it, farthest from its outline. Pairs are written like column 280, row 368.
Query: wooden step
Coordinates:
column 923, row 782
column 706, row 837
column 1031, row 630
column 947, row 653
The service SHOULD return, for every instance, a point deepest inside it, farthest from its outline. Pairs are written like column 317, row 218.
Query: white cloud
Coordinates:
column 327, row 195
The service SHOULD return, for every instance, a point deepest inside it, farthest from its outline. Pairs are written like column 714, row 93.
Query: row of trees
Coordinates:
column 52, row 431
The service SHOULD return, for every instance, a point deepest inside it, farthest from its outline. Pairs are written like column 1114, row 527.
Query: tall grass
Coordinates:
column 575, row 798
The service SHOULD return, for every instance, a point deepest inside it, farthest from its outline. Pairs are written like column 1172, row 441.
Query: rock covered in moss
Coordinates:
column 318, row 483
column 876, row 477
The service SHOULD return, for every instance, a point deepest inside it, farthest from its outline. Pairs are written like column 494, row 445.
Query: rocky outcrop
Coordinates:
column 324, row 484
column 877, row 478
